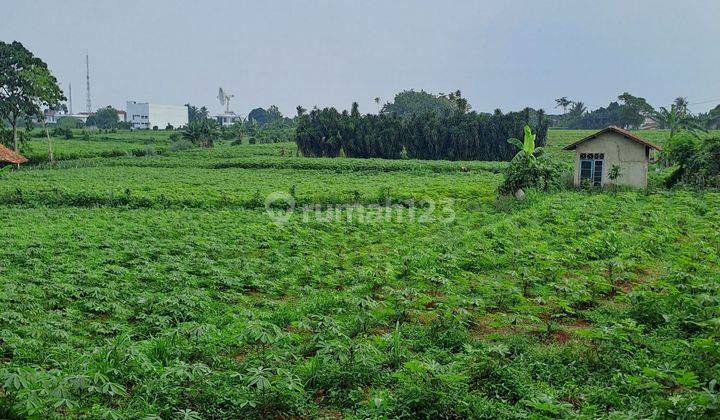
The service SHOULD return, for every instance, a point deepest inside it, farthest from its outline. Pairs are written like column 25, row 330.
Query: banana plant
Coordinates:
column 527, row 146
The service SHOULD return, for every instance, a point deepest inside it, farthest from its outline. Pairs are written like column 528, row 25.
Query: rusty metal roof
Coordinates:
column 628, row 135
column 7, row 155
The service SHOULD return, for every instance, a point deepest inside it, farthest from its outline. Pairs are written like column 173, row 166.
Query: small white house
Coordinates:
column 227, row 118
column 597, row 154
column 144, row 115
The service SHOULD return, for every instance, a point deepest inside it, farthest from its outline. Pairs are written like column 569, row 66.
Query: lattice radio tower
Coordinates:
column 87, row 80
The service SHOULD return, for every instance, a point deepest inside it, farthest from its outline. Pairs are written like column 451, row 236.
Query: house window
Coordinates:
column 591, row 168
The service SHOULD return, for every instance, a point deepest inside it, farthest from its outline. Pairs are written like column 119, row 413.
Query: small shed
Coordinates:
column 597, row 154
column 8, row 157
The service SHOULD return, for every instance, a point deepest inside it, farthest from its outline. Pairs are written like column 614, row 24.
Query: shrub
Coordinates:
column 180, row 145
column 66, row 133
column 69, row 122
column 698, row 162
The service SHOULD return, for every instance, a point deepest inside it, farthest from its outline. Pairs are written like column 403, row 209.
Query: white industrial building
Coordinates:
column 144, row 115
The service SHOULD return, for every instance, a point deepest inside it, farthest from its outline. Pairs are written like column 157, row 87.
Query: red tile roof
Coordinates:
column 628, row 135
column 8, row 156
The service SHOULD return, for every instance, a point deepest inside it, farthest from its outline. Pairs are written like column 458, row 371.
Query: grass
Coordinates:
column 158, row 285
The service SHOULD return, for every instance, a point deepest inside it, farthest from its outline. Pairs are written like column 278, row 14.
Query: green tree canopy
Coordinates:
column 69, row 122
column 104, row 118
column 409, row 102
column 26, row 85
column 263, row 116
column 195, row 113
column 634, row 110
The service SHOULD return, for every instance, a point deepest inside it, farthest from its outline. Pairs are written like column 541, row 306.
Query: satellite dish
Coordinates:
column 221, row 96
column 224, row 99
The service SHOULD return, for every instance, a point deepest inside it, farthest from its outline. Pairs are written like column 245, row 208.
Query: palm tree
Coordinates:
column 678, row 119
column 563, row 103
column 681, row 103
column 577, row 109
column 201, row 132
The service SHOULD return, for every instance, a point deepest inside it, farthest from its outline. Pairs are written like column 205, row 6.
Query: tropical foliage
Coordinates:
column 677, row 119
column 530, row 168
column 452, row 135
column 202, row 132
column 628, row 112
column 697, row 161
column 410, row 102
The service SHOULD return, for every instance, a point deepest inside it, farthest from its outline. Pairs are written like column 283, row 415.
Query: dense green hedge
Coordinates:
column 451, row 135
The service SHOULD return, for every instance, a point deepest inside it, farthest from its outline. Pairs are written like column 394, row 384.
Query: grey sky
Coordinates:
column 330, row 53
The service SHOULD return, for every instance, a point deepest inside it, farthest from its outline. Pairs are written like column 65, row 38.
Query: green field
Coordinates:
column 139, row 282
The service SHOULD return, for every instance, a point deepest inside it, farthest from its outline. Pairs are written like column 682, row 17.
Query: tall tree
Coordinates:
column 577, row 109
column 104, row 118
column 563, row 102
column 677, row 119
column 195, row 113
column 681, row 103
column 634, row 110
column 264, row 116
column 26, row 85
column 410, row 102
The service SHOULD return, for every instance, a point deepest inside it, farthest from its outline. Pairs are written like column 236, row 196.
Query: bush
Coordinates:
column 69, row 122
column 698, row 162
column 705, row 169
column 180, row 145
column 66, row 133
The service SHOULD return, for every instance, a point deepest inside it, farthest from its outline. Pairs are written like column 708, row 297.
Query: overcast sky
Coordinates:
column 334, row 52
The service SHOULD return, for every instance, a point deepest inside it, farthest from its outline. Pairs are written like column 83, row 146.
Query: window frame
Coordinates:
column 596, row 162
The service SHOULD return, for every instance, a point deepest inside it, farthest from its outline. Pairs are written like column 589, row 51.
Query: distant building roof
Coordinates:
column 8, row 156
column 628, row 135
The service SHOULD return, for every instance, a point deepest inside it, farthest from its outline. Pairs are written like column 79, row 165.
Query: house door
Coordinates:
column 591, row 168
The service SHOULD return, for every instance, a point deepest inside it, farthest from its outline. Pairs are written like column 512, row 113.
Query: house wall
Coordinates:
column 138, row 114
column 632, row 157
column 146, row 115
column 162, row 115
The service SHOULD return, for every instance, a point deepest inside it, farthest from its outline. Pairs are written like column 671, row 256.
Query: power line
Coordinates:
column 705, row 102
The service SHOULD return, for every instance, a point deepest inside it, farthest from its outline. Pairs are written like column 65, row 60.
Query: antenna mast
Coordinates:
column 87, row 79
column 70, row 97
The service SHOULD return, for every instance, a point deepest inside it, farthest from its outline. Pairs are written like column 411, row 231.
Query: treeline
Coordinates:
column 452, row 135
column 629, row 111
